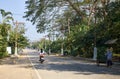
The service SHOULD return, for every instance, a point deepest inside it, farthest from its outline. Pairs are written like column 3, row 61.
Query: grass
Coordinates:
column 118, row 55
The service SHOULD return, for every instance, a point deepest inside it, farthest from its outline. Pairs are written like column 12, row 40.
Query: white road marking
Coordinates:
column 37, row 73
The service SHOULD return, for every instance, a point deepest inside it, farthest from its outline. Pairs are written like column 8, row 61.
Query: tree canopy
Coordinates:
column 82, row 23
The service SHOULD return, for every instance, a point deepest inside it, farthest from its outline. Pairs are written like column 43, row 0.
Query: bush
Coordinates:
column 101, row 55
column 74, row 52
column 2, row 55
column 65, row 53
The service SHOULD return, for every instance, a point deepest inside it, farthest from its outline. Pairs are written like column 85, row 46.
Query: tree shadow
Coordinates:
column 14, row 61
column 78, row 68
column 63, row 64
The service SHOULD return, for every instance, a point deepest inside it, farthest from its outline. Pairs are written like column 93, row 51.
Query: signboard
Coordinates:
column 9, row 50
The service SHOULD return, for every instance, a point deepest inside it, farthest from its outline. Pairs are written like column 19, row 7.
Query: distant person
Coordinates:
column 109, row 57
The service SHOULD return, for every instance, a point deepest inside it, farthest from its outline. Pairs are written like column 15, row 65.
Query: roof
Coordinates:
column 113, row 41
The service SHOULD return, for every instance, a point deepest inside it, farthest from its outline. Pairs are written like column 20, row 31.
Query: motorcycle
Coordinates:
column 41, row 58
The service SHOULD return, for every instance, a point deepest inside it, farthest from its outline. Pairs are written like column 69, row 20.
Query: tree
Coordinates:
column 21, row 40
column 4, row 31
column 6, row 16
column 42, row 12
column 90, row 21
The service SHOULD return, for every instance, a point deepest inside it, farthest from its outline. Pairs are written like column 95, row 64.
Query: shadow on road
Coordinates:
column 85, row 69
column 63, row 64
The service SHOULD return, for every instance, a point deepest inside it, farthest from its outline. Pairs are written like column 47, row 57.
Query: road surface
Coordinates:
column 56, row 67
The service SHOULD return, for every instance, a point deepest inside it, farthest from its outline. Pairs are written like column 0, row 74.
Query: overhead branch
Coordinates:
column 91, row 10
column 75, row 8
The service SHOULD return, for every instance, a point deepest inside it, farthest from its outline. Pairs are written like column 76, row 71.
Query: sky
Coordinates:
column 17, row 7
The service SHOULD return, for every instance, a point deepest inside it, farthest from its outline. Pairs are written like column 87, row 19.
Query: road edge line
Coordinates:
column 39, row 77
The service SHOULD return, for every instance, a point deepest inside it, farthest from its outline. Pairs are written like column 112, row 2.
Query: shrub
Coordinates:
column 2, row 55
column 101, row 54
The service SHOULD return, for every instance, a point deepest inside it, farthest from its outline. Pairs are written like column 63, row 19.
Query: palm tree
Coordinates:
column 6, row 16
column 4, row 30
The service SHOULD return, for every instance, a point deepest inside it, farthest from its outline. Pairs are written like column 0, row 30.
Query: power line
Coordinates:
column 18, row 14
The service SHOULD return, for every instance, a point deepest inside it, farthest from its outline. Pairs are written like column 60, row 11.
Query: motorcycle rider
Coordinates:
column 41, row 55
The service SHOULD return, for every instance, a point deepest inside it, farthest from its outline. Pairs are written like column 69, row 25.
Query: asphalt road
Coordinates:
column 56, row 67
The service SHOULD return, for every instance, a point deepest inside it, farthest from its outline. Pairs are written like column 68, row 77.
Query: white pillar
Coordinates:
column 95, row 53
column 16, row 51
column 61, row 51
column 49, row 51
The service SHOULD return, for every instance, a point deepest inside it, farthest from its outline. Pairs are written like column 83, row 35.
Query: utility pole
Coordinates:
column 93, row 10
column 16, row 28
column 95, row 46
column 49, row 51
column 62, row 44
column 45, row 42
column 69, row 25
column 16, row 36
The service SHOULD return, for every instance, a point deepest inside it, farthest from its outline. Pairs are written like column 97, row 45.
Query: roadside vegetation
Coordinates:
column 8, row 34
column 76, row 26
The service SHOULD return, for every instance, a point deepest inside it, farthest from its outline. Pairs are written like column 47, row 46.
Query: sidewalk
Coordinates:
column 16, row 68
